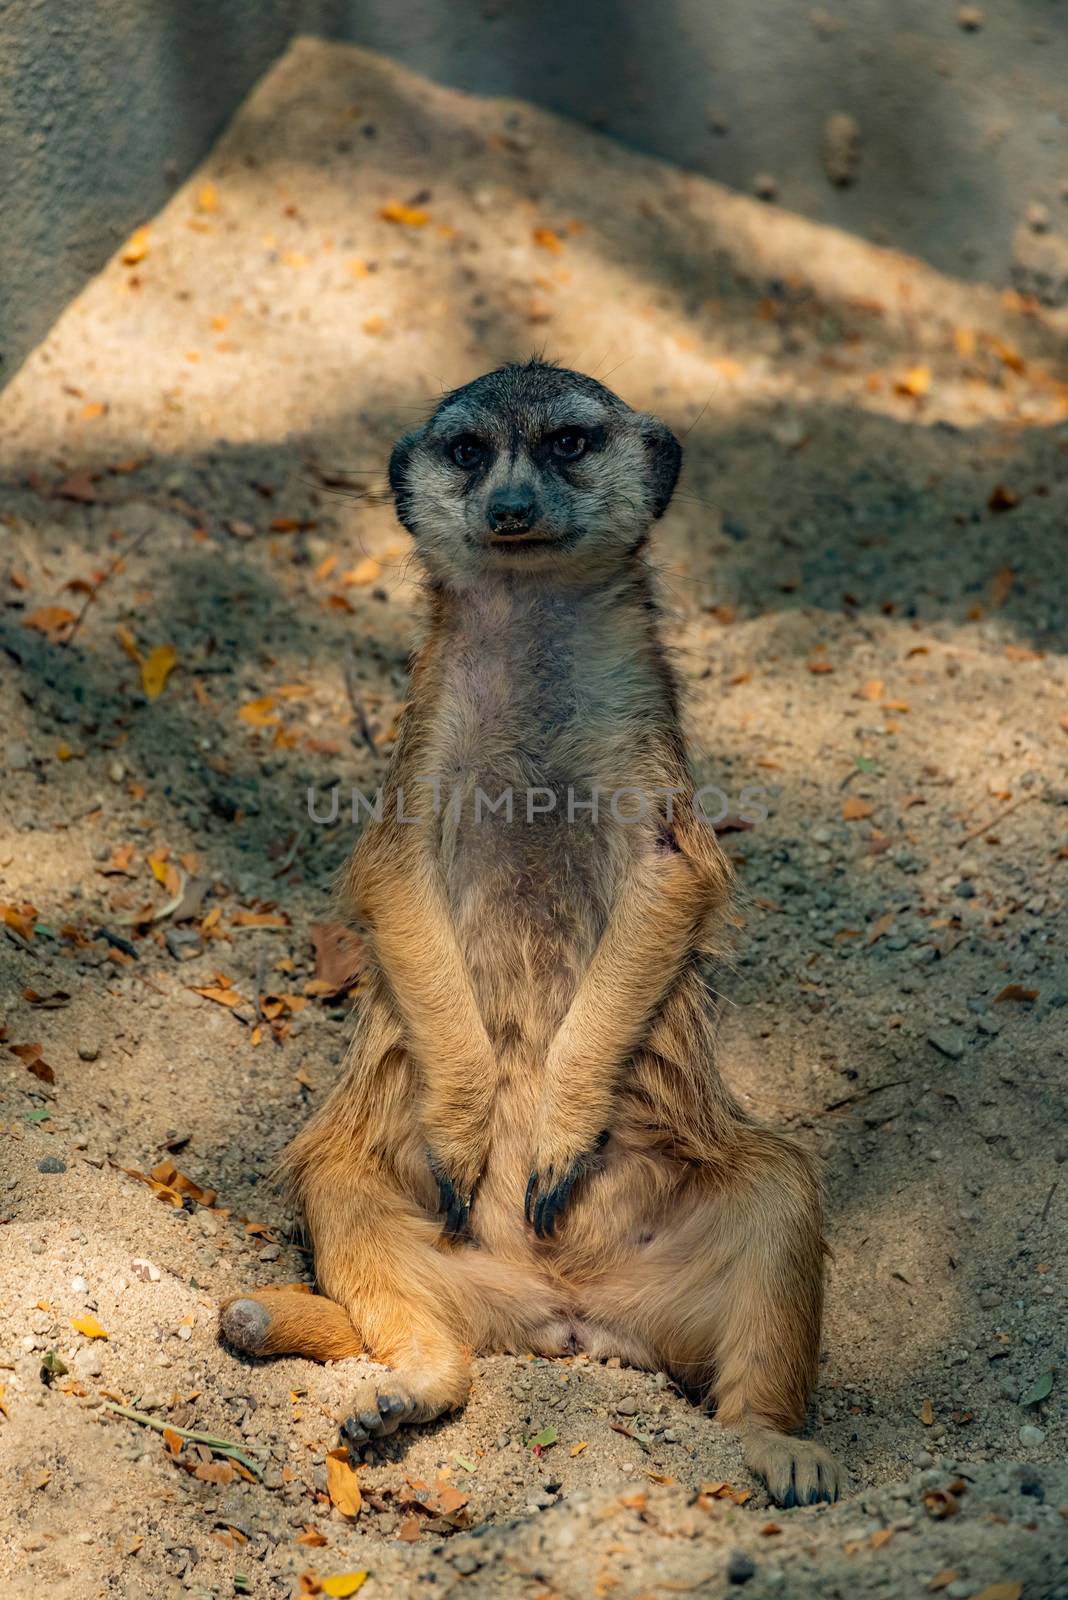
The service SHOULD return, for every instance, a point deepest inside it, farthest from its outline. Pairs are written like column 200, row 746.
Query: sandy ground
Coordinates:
column 865, row 570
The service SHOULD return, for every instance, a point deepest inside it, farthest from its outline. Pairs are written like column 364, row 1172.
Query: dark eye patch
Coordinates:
column 567, row 445
column 468, row 451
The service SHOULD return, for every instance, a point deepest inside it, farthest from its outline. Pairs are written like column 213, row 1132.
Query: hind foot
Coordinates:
column 379, row 1413
column 796, row 1471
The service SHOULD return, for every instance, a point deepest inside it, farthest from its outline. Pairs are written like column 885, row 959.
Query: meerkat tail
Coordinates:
column 279, row 1322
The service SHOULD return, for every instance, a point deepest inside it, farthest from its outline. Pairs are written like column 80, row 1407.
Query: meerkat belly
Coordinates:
column 529, row 905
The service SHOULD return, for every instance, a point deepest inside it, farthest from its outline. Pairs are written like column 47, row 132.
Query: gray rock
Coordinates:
column 51, row 1164
column 17, row 756
column 1032, row 1437
column 183, row 943
column 627, row 1407
column 948, row 1042
column 88, row 1050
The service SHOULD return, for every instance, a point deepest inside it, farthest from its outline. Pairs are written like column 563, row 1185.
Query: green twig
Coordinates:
column 221, row 1447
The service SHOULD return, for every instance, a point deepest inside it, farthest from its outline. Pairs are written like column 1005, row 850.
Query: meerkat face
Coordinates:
column 531, row 468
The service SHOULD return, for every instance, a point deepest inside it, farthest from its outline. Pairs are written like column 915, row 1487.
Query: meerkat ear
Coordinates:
column 398, row 475
column 664, row 454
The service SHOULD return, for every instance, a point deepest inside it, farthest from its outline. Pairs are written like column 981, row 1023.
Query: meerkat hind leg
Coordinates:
column 769, row 1301
column 726, row 1294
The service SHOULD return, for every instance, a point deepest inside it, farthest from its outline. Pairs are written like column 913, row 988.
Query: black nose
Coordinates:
column 511, row 511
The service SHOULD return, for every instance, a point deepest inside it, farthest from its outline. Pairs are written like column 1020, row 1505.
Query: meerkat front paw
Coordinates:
column 549, row 1187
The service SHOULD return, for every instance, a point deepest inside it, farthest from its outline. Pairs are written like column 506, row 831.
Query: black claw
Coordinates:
column 789, row 1499
column 354, row 1437
column 454, row 1206
column 554, row 1193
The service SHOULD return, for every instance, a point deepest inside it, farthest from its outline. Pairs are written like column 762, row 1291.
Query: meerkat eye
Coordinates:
column 466, row 451
column 569, row 444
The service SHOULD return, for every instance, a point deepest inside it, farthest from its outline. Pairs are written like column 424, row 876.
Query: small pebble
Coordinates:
column 51, row 1164
column 841, row 149
column 765, row 187
column 970, row 18
column 1031, row 1436
column 465, row 1562
column 627, row 1407
column 1038, row 217
column 947, row 1041
column 78, row 1285
column 739, row 1568
column 87, row 1362
column 88, row 1050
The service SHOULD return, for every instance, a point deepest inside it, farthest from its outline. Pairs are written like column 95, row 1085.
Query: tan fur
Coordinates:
column 534, row 985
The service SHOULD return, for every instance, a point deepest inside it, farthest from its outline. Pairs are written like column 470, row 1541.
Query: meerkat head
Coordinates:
column 532, row 468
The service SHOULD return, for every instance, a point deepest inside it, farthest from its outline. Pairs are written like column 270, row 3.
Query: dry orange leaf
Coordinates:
column 222, row 994
column 1016, row 652
column 23, row 918
column 50, row 620
column 854, row 809
column 341, row 1584
column 136, row 247
column 1000, row 585
column 363, row 573
column 311, row 1537
column 259, row 713
column 1015, row 991
column 819, row 664
column 156, row 668
column 872, row 690
column 926, row 1413
column 260, row 919
column 208, row 198
column 577, row 1449
column 548, row 239
column 93, row 410
column 941, row 1579
column 342, row 1483
column 167, row 1174
column 915, row 382
column 128, row 642
column 409, row 1530
column 88, row 1326
column 406, row 216
column 721, row 1491
column 1012, row 1590
column 880, row 1537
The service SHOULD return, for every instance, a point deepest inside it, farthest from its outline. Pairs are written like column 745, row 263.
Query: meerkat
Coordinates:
column 531, row 1147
